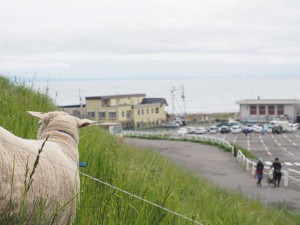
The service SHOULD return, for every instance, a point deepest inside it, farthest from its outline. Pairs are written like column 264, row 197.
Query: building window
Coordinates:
column 152, row 110
column 105, row 103
column 91, row 114
column 157, row 110
column 147, row 111
column 139, row 112
column 262, row 110
column 128, row 115
column 112, row 115
column 142, row 112
column 252, row 109
column 76, row 113
column 271, row 110
column 101, row 114
column 280, row 109
column 123, row 114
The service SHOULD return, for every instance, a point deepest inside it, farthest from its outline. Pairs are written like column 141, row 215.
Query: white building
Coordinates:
column 268, row 109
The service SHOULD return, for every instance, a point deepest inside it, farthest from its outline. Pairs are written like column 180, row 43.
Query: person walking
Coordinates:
column 259, row 173
column 277, row 172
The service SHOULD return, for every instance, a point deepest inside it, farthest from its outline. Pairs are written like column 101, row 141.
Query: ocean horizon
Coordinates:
column 204, row 95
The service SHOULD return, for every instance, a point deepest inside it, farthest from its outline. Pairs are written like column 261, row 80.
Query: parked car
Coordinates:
column 171, row 125
column 248, row 128
column 224, row 130
column 200, row 130
column 258, row 129
column 182, row 131
column 213, row 130
column 277, row 130
column 235, row 129
column 267, row 128
column 190, row 130
column 294, row 126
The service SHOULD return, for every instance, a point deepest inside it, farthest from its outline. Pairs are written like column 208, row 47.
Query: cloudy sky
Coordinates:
column 115, row 39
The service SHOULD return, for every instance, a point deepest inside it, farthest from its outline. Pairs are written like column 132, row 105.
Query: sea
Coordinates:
column 205, row 95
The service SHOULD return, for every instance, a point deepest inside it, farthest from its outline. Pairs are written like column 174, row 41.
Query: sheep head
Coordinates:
column 60, row 121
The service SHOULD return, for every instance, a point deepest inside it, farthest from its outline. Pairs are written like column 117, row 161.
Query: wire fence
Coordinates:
column 103, row 182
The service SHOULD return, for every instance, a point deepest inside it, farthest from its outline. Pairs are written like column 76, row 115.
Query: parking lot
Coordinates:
column 285, row 146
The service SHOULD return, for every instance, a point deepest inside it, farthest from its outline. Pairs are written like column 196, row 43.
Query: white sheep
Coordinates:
column 56, row 178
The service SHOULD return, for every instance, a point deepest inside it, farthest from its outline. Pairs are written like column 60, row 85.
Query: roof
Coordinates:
column 268, row 101
column 71, row 106
column 114, row 96
column 154, row 100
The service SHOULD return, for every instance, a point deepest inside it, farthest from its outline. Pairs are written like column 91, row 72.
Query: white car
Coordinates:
column 236, row 129
column 257, row 128
column 213, row 130
column 200, row 130
column 294, row 126
column 190, row 130
column 182, row 131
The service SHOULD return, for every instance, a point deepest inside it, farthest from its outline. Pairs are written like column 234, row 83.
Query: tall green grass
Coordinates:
column 15, row 100
column 140, row 172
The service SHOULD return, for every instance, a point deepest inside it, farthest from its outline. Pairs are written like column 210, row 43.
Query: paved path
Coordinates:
column 221, row 168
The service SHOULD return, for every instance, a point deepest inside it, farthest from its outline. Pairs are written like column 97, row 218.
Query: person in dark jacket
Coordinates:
column 277, row 172
column 259, row 173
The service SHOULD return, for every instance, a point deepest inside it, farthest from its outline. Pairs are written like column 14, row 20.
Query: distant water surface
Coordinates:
column 201, row 95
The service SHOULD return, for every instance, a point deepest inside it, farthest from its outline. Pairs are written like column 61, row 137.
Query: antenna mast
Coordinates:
column 81, row 105
column 183, row 99
column 173, row 96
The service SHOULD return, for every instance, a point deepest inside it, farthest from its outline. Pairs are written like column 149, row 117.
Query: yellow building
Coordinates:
column 132, row 110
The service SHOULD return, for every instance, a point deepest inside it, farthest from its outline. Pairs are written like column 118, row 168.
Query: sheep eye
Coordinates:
column 40, row 123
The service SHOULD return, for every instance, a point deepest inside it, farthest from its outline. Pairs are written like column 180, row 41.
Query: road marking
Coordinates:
column 234, row 139
column 295, row 144
column 292, row 154
column 288, row 163
column 297, row 164
column 279, row 144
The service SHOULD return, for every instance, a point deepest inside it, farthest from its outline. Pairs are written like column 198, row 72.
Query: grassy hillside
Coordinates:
column 15, row 101
column 143, row 173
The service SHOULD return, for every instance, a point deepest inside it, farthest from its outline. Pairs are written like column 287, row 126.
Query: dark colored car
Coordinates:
column 224, row 130
column 277, row 130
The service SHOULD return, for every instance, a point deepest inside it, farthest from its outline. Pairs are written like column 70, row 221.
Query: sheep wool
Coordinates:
column 55, row 181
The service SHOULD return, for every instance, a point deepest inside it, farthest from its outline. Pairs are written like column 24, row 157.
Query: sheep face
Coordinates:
column 60, row 121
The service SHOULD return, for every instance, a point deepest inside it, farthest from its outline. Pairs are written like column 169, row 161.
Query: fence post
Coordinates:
column 253, row 168
column 247, row 164
column 286, row 178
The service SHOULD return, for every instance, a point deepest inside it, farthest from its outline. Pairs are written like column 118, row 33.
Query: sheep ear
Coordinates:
column 36, row 114
column 84, row 123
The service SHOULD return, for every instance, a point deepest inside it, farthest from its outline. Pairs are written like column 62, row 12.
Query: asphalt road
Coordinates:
column 222, row 168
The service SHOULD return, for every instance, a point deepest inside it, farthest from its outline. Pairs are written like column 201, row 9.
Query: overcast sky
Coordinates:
column 115, row 39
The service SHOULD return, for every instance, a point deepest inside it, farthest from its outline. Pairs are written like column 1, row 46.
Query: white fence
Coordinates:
column 249, row 165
